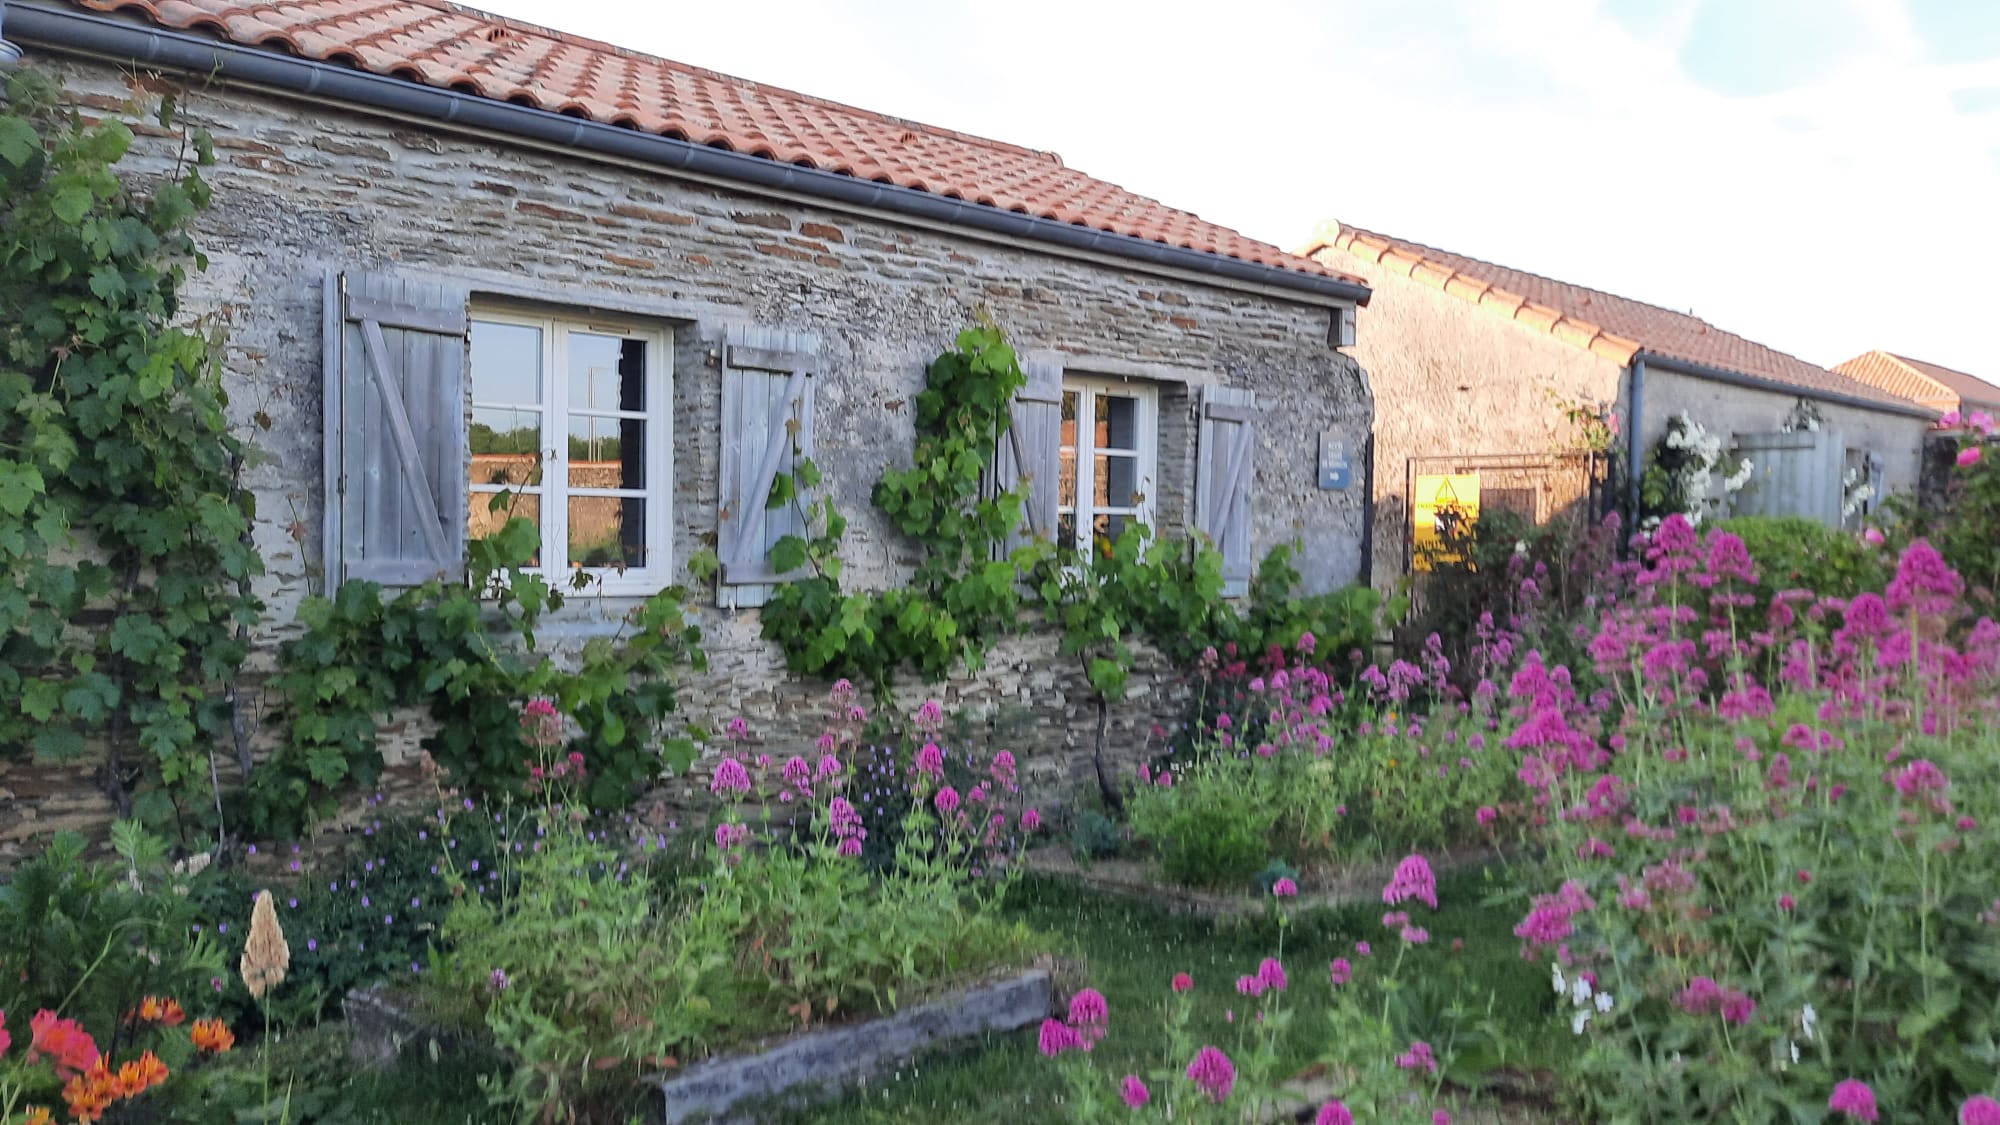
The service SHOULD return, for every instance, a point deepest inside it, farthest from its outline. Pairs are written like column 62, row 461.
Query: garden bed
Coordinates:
column 1331, row 887
column 816, row 1064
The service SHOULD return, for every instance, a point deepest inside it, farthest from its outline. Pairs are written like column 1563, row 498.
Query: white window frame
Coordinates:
column 1084, row 511
column 554, row 487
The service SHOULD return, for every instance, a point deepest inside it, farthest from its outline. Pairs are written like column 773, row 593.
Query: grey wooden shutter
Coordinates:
column 395, row 391
column 767, row 425
column 1030, row 452
column 1224, row 477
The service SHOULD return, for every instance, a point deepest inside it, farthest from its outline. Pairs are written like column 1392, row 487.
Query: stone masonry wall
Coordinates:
column 302, row 188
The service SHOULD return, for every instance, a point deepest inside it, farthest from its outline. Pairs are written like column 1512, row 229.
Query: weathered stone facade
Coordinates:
column 302, row 188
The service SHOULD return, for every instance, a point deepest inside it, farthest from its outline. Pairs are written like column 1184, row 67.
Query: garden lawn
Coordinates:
column 1132, row 950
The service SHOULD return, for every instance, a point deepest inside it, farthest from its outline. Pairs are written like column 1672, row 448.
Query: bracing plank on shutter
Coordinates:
column 1225, row 479
column 1029, row 452
column 767, row 423
column 396, row 431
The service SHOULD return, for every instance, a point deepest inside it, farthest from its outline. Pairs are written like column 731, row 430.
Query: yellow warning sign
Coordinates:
column 1444, row 504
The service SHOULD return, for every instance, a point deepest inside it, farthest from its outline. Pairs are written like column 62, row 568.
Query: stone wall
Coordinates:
column 304, row 188
column 1451, row 378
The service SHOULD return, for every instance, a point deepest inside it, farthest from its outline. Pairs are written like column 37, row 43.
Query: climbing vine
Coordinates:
column 963, row 593
column 125, row 553
column 468, row 653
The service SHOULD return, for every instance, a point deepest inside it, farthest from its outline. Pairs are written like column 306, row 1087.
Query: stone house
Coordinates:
column 1472, row 364
column 1931, row 385
column 457, row 254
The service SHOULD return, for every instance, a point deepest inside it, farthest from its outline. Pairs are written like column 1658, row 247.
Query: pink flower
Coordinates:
column 1413, row 879
column 730, row 777
column 1284, row 888
column 1088, row 1009
column 1786, row 903
column 1967, row 457
column 1486, row 815
column 1363, row 948
column 798, row 772
column 1854, row 1099
column 829, row 766
column 1030, row 820
column 738, row 729
column 946, row 800
column 1874, row 537
column 1950, row 420
column 1737, row 1008
column 1058, row 1037
column 1341, row 970
column 1182, row 982
column 728, row 836
column 1981, row 1110
column 1440, row 1118
column 1921, row 776
column 930, row 760
column 1333, row 1113
column 1418, row 1057
column 850, row 847
column 1250, row 986
column 1272, row 974
column 1134, row 1091
column 1212, row 1073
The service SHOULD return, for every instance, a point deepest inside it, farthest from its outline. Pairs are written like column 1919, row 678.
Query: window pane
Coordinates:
column 485, row 518
column 1069, row 406
column 1108, row 529
column 1117, row 481
column 506, row 363
column 1066, row 530
column 1117, row 422
column 1066, row 479
column 506, row 445
column 606, row 372
column 607, row 531
column 607, row 452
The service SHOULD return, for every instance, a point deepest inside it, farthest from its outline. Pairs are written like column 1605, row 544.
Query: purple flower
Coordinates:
column 1058, row 1037
column 930, row 761
column 1213, row 1073
column 946, row 800
column 1333, row 1113
column 1030, row 820
column 1413, row 879
column 1418, row 1057
column 1134, row 1091
column 1854, row 1099
column 1272, row 974
column 497, row 980
column 1979, row 1111
column 730, row 777
column 1284, row 888
column 1341, row 970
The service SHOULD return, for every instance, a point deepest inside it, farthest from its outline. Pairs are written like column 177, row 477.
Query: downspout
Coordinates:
column 10, row 54
column 324, row 82
column 1634, row 446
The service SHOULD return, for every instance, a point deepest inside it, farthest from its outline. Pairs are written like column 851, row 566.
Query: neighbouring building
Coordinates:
column 1473, row 365
column 1928, row 384
column 457, row 254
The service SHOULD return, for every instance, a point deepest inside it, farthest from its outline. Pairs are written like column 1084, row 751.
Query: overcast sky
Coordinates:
column 1820, row 175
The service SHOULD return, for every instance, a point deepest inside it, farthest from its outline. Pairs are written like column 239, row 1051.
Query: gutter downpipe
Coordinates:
column 326, row 82
column 10, row 54
column 1634, row 446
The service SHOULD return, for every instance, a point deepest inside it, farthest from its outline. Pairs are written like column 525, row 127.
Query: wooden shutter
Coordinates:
column 1224, row 476
column 395, row 390
column 1030, row 452
column 767, row 425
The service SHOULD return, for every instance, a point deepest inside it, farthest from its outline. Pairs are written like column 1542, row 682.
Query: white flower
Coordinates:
column 1577, row 1022
column 1795, row 1052
column 1579, row 992
column 1604, row 1001
column 1562, row 986
column 1520, row 546
column 1808, row 1022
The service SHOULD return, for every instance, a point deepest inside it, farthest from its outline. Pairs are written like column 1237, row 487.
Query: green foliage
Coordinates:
column 1094, row 836
column 468, row 652
column 1963, row 527
column 125, row 555
column 1212, row 826
column 961, row 595
column 91, row 940
column 1795, row 553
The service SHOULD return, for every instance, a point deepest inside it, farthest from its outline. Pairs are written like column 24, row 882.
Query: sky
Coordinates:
column 1822, row 176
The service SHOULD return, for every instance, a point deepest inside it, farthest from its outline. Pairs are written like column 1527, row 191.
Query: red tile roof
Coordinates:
column 448, row 46
column 1927, row 383
column 1612, row 326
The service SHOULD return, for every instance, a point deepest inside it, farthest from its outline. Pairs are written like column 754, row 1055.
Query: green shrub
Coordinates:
column 1094, row 836
column 1211, row 826
column 1795, row 553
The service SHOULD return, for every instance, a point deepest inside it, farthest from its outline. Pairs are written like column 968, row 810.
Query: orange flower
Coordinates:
column 153, row 1009
column 38, row 1115
column 91, row 1093
column 151, row 1072
column 212, row 1035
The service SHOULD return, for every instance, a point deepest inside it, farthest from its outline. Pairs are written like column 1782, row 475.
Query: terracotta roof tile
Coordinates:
column 446, row 45
column 1609, row 325
column 1931, row 384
